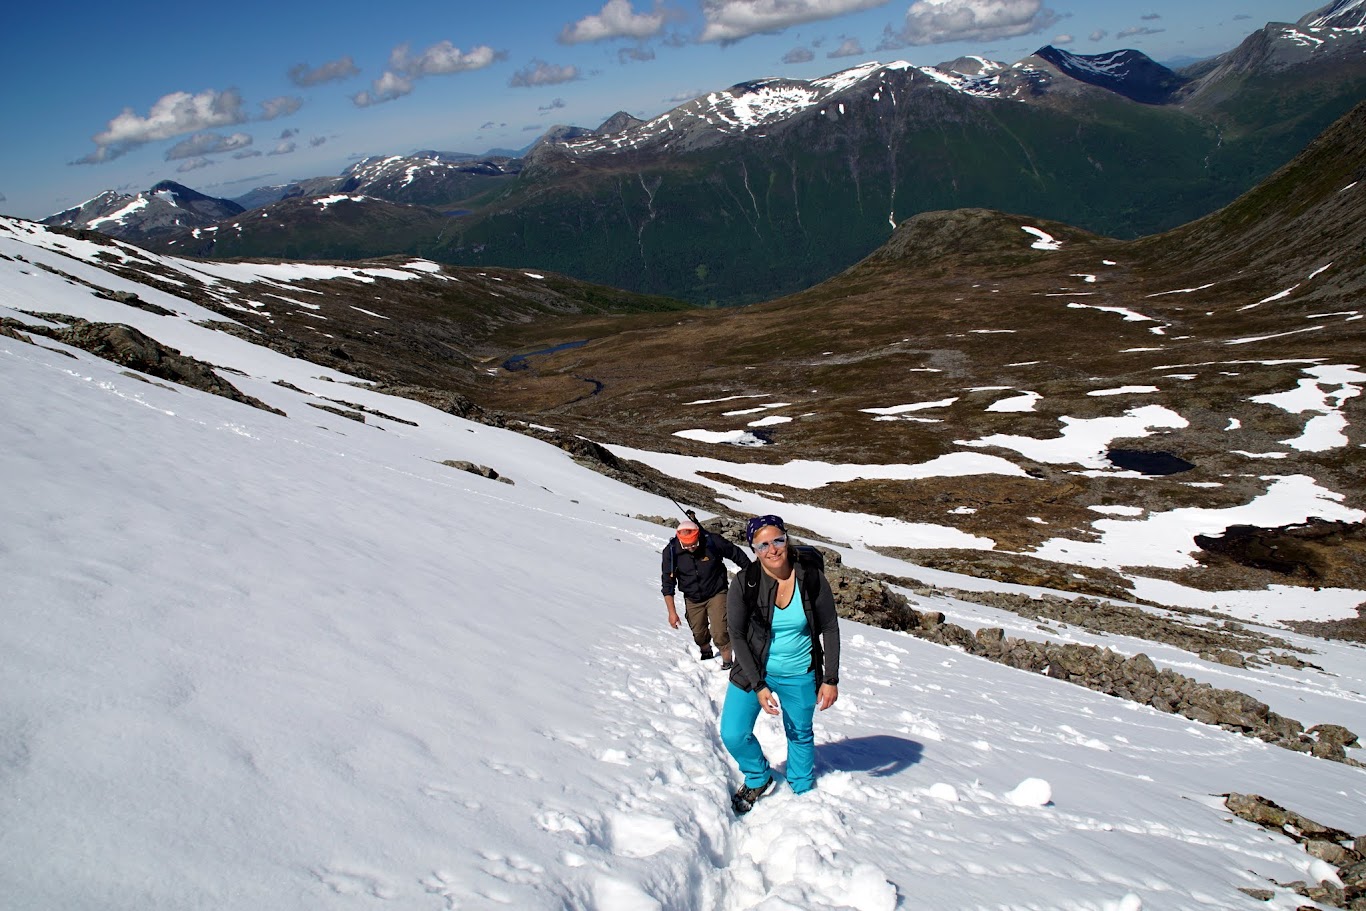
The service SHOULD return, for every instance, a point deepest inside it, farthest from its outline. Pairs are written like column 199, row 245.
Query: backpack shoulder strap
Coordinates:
column 813, row 561
column 751, row 590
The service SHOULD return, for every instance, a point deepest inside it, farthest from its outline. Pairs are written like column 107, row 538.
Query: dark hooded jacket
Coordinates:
column 701, row 575
column 750, row 621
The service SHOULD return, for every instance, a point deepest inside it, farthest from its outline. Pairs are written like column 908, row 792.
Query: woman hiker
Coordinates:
column 786, row 640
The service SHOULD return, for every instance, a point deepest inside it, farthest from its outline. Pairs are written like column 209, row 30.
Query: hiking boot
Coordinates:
column 743, row 800
column 708, row 654
column 727, row 664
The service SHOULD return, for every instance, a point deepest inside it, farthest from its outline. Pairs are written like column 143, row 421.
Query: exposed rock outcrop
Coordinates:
column 1313, row 549
column 130, row 348
column 482, row 470
column 1345, row 853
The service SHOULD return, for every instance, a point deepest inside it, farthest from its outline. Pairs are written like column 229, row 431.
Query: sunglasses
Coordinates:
column 780, row 541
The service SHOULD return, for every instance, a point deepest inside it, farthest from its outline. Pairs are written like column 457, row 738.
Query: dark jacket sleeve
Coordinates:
column 737, row 621
column 829, row 630
column 733, row 553
column 666, row 570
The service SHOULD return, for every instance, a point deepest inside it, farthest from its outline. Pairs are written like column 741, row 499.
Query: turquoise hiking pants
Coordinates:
column 797, row 697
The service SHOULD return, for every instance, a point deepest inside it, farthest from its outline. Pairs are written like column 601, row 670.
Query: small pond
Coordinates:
column 1148, row 462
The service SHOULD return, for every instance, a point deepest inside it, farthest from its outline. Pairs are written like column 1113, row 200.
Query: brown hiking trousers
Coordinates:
column 707, row 620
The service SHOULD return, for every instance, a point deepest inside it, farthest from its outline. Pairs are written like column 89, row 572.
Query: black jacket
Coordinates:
column 751, row 627
column 701, row 576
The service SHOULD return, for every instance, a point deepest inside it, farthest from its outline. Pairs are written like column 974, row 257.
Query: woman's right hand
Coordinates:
column 767, row 701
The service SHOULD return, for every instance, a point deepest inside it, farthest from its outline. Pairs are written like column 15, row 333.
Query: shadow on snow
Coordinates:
column 880, row 755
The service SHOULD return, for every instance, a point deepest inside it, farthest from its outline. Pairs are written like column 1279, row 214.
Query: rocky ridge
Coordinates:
column 133, row 349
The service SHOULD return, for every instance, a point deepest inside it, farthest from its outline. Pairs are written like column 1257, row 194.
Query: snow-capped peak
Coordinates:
column 1346, row 14
column 762, row 103
column 844, row 79
column 1113, row 65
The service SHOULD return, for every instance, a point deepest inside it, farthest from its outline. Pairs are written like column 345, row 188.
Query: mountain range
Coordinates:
column 774, row 184
column 1005, row 395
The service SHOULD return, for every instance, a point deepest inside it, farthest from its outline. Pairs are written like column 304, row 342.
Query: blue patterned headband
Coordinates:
column 753, row 525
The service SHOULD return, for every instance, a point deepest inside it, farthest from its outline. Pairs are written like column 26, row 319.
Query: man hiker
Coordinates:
column 692, row 561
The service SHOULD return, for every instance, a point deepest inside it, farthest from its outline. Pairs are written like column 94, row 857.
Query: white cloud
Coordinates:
column 194, row 164
column 280, row 107
column 799, row 55
column 387, row 87
column 172, row 115
column 248, row 153
column 944, row 21
column 406, row 68
column 635, row 54
column 1137, row 30
column 538, row 72
column 442, row 58
column 304, row 76
column 1063, row 39
column 201, row 144
column 1099, row 34
column 849, row 47
column 616, row 20
column 731, row 20
column 283, row 148
column 554, row 105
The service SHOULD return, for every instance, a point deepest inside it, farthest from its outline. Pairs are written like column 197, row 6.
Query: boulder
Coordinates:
column 482, row 470
column 1334, row 733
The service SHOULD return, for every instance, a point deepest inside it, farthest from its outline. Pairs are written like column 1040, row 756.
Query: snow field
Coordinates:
column 301, row 669
column 251, row 662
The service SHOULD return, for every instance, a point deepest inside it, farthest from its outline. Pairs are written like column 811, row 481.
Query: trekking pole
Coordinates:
column 655, row 488
column 692, row 516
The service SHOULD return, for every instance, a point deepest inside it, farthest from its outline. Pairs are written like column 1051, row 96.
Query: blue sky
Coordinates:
column 225, row 99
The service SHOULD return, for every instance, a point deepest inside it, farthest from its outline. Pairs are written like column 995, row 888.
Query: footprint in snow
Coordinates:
column 504, row 768
column 356, row 882
column 512, row 868
column 451, row 794
column 640, row 835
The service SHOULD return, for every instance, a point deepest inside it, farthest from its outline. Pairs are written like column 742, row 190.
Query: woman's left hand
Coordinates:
column 826, row 696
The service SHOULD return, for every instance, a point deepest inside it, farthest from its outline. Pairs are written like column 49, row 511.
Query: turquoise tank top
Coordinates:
column 789, row 652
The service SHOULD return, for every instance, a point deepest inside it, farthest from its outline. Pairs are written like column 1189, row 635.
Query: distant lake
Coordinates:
column 518, row 361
